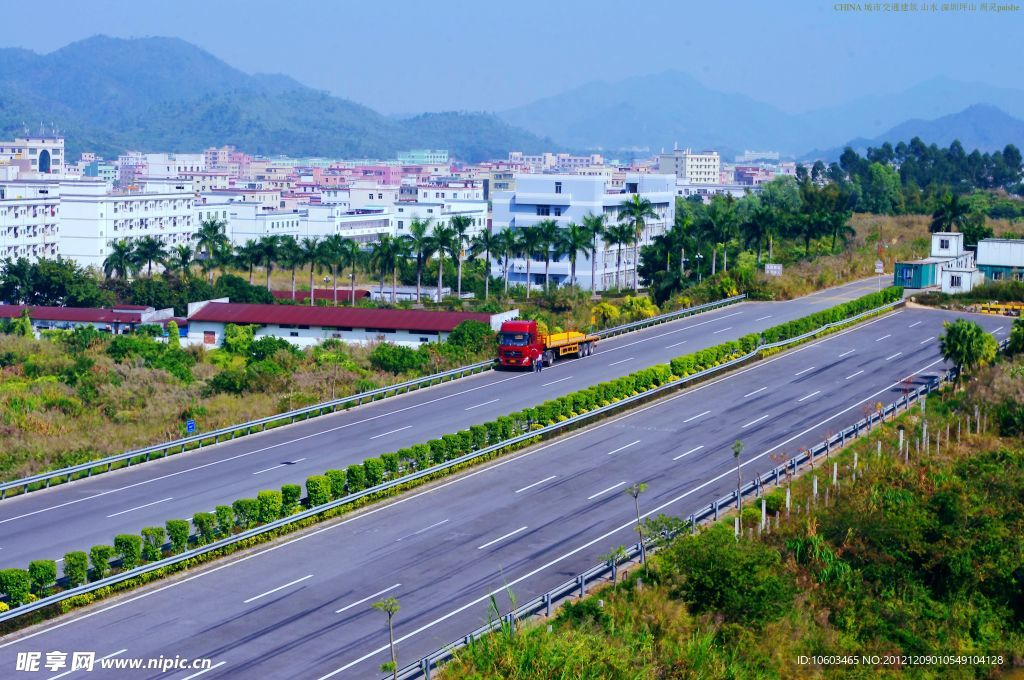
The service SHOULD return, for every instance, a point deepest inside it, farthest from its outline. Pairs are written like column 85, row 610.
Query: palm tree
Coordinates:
column 509, row 247
column 635, row 490
column 485, row 243
column 595, row 226
column 390, row 607
column 350, row 254
column 223, row 258
column 180, row 259
column 421, row 244
column 967, row 345
column 400, row 253
column 572, row 240
column 148, row 250
column 443, row 241
column 385, row 256
column 210, row 237
column 313, row 255
column 717, row 226
column 549, row 234
column 618, row 235
column 331, row 251
column 635, row 211
column 268, row 247
column 951, row 212
column 757, row 226
column 460, row 225
column 289, row 256
column 121, row 262
column 530, row 239
column 247, row 255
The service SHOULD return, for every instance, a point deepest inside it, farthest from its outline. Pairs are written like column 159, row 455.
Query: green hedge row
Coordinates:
column 22, row 586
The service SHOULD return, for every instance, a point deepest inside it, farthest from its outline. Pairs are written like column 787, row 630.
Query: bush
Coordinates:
column 374, row 468
column 396, row 358
column 100, row 556
column 271, row 502
column 356, row 478
column 337, row 480
column 247, row 512
column 392, row 462
column 290, row 495
column 152, row 543
column 206, row 527
column 16, row 584
column 225, row 520
column 43, row 574
column 178, row 531
column 472, row 336
column 129, row 548
column 318, row 490
column 229, row 380
column 76, row 568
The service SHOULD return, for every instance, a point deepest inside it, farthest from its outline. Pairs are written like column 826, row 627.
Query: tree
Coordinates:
column 351, row 255
column 148, row 250
column 443, row 241
column 1016, row 345
column 390, row 607
column 967, row 345
column 635, row 490
column 636, row 211
column 312, row 255
column 247, row 255
column 385, row 256
column 421, row 244
column 180, row 260
column 717, row 226
column 460, row 225
column 618, row 235
column 530, row 239
column 483, row 243
column 510, row 247
column 210, row 237
column 289, row 256
column 121, row 262
column 331, row 248
column 881, row 190
column 950, row 212
column 268, row 247
column 549, row 234
column 737, row 449
column 595, row 226
column 572, row 240
column 604, row 313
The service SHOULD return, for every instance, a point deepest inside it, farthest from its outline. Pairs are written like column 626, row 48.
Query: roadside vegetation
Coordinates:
column 913, row 552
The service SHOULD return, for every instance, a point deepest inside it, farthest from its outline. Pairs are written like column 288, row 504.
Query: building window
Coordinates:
column 293, row 334
column 558, row 187
column 543, row 210
column 955, row 281
column 944, row 243
column 558, row 211
column 997, row 276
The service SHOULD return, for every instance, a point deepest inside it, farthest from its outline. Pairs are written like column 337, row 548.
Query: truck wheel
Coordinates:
column 549, row 358
column 585, row 352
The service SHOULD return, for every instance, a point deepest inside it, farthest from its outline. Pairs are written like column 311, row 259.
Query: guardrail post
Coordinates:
column 693, row 525
column 716, row 509
column 582, row 580
column 425, row 667
column 547, row 604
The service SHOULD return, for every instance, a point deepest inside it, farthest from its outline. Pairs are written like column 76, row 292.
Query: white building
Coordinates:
column 253, row 221
column 35, row 154
column 30, row 219
column 693, row 168
column 173, row 165
column 440, row 213
column 569, row 198
column 93, row 219
column 706, row 191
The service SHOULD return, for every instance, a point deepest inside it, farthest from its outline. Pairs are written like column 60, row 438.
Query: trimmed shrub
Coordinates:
column 478, row 434
column 290, row 495
column 76, row 568
column 178, row 531
column 356, row 478
column 391, row 462
column 43, row 574
column 452, row 446
column 100, row 556
column 270, row 501
column 374, row 469
column 421, row 456
column 338, row 479
column 318, row 490
column 152, row 543
column 129, row 548
column 17, row 584
column 206, row 527
column 437, row 451
column 225, row 520
column 247, row 512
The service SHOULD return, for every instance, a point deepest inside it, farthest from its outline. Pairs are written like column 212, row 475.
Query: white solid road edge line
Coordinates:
column 693, row 450
column 623, row 448
column 750, row 394
column 205, row 670
column 368, row 597
column 384, row 434
column 139, row 507
column 530, row 486
column 501, row 538
column 470, row 408
column 102, row 658
column 274, row 590
column 610, row 488
column 755, row 421
column 804, row 398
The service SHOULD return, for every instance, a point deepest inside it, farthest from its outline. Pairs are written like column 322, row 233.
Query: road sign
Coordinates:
column 879, row 267
column 773, row 269
column 190, row 426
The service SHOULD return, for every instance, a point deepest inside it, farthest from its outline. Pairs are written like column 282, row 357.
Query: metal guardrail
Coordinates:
column 405, row 479
column 578, row 584
column 44, row 479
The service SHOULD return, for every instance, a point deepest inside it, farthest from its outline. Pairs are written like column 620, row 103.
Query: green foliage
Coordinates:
column 318, row 490
column 206, row 527
column 270, row 504
column 338, row 479
column 472, row 336
column 47, row 282
column 43, row 574
column 247, row 512
column 356, row 478
column 153, row 543
column 238, row 338
column 16, row 584
column 99, row 557
column 225, row 515
column 374, row 469
column 76, row 568
column 967, row 345
column 129, row 549
column 290, row 496
column 1016, row 345
column 396, row 358
column 178, row 531
column 173, row 334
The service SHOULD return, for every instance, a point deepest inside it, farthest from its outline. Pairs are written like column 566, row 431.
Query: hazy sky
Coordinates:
column 407, row 56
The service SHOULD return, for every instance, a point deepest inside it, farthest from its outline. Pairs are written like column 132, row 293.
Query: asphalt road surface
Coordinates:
column 302, row 608
column 76, row 516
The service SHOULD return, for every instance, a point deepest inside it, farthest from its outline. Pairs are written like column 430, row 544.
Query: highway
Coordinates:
column 76, row 516
column 302, row 607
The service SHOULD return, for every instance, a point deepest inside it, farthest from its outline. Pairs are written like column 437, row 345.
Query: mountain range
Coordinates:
column 150, row 94
column 110, row 94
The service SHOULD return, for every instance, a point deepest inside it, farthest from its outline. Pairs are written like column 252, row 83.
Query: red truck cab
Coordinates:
column 518, row 343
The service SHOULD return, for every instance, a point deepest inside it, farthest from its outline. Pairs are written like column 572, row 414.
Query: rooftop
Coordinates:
column 84, row 314
column 397, row 319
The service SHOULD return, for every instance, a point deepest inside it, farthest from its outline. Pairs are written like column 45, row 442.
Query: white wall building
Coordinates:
column 30, row 219
column 440, row 213
column 171, row 165
column 92, row 219
column 569, row 198
column 694, row 168
column 35, row 154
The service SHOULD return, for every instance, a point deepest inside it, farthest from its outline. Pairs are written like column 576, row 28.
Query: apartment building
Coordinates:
column 43, row 154
column 29, row 219
column 693, row 168
column 567, row 198
column 423, row 157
